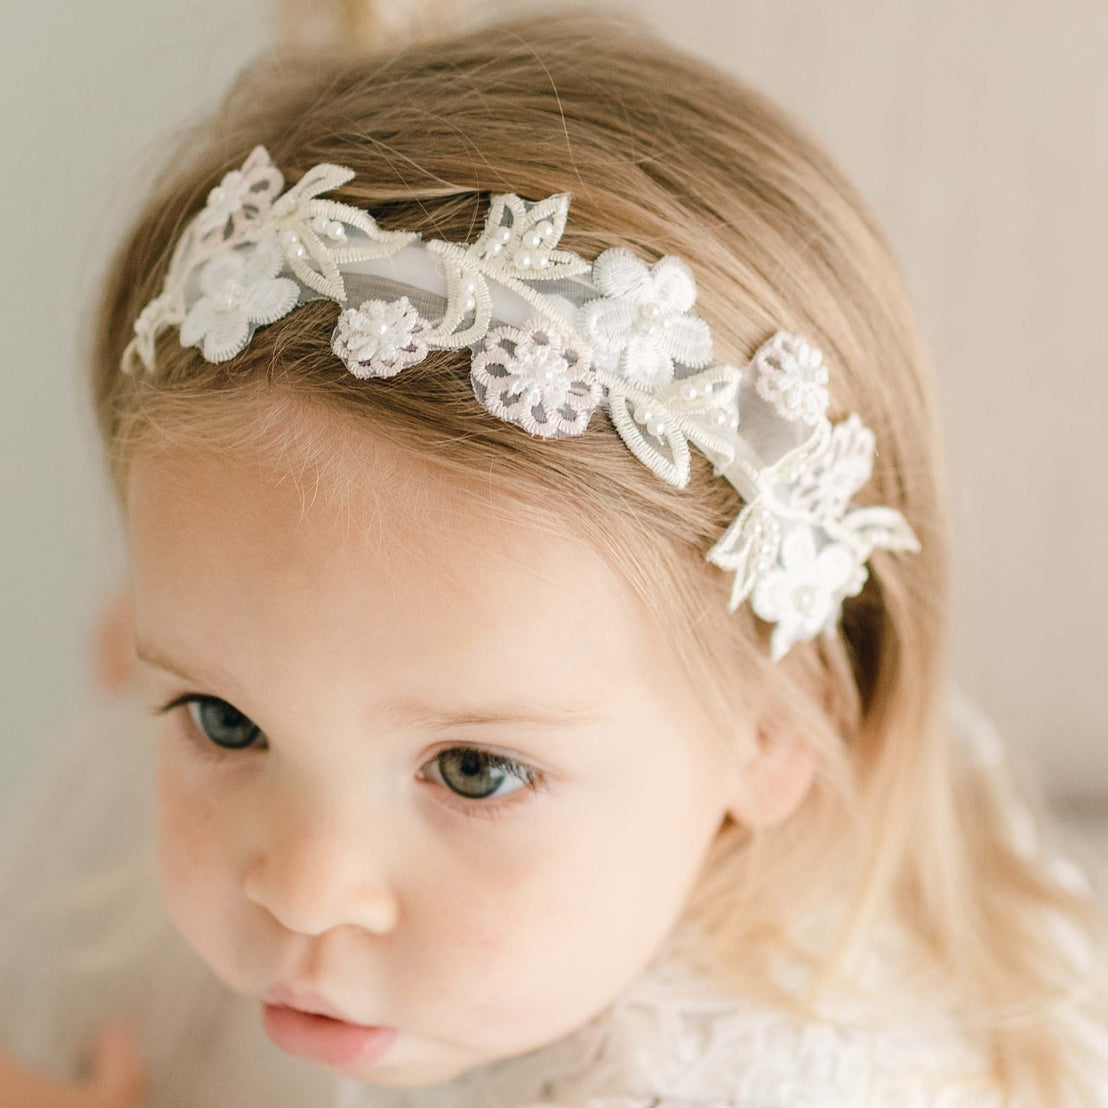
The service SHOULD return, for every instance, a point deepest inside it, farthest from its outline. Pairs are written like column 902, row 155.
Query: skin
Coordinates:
column 334, row 853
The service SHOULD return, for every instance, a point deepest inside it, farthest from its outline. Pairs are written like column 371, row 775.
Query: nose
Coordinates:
column 319, row 871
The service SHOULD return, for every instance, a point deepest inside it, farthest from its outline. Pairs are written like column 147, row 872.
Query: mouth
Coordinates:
column 324, row 1039
column 305, row 1000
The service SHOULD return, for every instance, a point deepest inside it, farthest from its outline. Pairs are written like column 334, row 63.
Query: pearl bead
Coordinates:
column 707, row 386
column 336, row 231
column 544, row 261
column 734, row 422
column 689, row 392
column 470, row 286
column 533, row 239
column 383, row 328
column 319, row 223
column 546, row 228
column 524, row 260
column 470, row 302
column 496, row 247
column 505, row 234
column 720, row 418
column 298, row 250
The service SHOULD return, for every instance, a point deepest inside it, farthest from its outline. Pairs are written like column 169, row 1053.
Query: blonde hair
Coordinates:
column 777, row 238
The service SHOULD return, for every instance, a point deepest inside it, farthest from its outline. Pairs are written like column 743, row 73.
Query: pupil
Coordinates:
column 476, row 781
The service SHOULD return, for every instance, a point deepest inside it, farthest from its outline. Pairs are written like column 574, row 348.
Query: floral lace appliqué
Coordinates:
column 643, row 317
column 242, row 197
column 241, row 288
column 379, row 338
column 529, row 369
column 824, row 486
column 792, row 377
column 801, row 596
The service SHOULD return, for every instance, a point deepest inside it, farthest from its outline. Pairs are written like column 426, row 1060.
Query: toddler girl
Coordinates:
column 509, row 751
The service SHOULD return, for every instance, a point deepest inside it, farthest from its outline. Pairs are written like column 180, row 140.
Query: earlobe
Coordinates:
column 773, row 782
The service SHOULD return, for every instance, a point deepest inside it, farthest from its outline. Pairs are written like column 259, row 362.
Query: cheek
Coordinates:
column 194, row 872
column 547, row 926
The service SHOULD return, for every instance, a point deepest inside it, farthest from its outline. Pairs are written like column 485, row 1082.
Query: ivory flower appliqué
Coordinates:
column 802, row 594
column 379, row 338
column 792, row 377
column 244, row 196
column 643, row 317
column 833, row 476
column 240, row 288
column 541, row 371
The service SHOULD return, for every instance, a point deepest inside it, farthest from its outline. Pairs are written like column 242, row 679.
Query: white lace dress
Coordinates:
column 83, row 936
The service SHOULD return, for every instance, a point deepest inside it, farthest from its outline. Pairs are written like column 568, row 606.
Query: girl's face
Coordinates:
column 439, row 769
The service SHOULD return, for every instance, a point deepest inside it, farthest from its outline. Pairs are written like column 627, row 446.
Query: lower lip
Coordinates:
column 322, row 1039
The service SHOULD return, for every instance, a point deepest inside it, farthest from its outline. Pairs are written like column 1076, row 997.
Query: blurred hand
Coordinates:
column 116, row 1080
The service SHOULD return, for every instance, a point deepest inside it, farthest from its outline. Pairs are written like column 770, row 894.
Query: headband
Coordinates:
column 552, row 338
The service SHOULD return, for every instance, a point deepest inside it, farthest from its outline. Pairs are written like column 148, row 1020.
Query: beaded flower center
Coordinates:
column 545, row 367
column 230, row 296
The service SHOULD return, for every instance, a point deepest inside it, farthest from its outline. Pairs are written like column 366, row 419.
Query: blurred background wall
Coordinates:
column 979, row 134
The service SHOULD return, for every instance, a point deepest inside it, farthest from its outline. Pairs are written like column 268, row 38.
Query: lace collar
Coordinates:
column 675, row 1039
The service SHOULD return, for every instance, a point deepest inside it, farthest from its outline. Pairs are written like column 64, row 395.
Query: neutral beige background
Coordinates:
column 979, row 133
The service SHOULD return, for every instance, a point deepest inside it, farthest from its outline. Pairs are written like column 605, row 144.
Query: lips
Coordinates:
column 322, row 1038
column 307, row 1000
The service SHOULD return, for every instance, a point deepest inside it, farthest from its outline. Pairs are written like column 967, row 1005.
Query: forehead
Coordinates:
column 416, row 572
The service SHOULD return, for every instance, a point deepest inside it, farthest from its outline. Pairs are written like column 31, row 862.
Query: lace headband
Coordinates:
column 553, row 337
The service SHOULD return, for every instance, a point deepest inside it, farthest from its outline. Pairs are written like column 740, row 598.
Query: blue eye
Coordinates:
column 222, row 723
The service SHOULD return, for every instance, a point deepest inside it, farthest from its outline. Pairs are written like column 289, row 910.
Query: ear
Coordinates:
column 774, row 778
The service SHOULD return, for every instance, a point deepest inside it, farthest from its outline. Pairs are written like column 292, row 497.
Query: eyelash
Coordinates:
column 534, row 781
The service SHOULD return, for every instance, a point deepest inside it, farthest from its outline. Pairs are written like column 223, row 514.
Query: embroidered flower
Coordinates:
column 540, row 373
column 242, row 197
column 802, row 595
column 379, row 338
column 241, row 288
column 792, row 377
column 827, row 481
column 643, row 317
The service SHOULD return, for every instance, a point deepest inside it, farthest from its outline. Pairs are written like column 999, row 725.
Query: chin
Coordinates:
column 417, row 1073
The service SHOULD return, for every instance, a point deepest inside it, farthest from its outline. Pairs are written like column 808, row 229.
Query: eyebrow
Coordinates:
column 430, row 717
